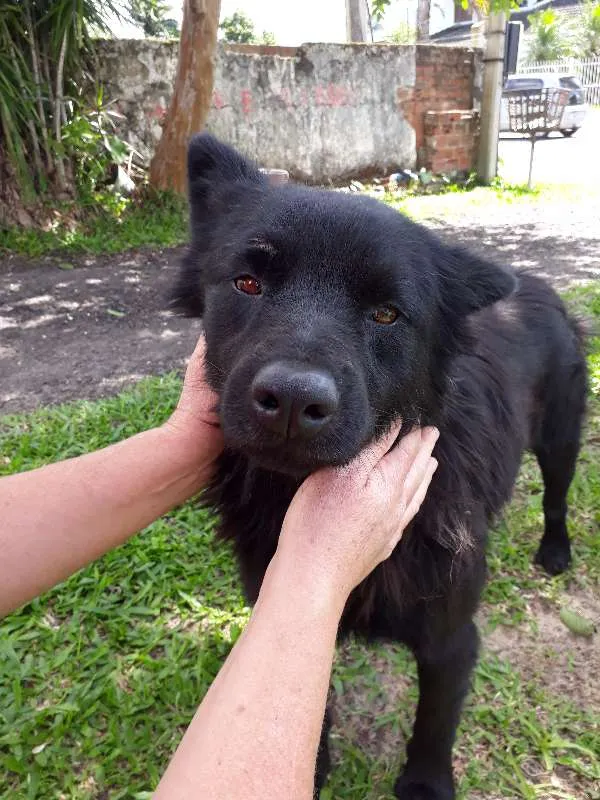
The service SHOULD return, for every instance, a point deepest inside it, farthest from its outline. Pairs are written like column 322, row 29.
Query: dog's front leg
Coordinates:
column 444, row 680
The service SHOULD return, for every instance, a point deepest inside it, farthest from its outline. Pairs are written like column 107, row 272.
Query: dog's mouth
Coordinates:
column 287, row 458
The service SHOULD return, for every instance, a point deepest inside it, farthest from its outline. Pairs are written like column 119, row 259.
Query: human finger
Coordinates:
column 197, row 396
column 195, row 372
column 414, row 504
column 407, row 461
column 419, row 463
column 366, row 461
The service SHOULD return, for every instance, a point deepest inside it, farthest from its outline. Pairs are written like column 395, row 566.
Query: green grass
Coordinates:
column 459, row 204
column 148, row 221
column 100, row 676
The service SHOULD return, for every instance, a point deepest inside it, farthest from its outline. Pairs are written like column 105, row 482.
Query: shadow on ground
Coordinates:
column 565, row 261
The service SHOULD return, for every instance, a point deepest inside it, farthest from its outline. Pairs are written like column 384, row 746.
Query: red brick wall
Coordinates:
column 450, row 140
column 443, row 82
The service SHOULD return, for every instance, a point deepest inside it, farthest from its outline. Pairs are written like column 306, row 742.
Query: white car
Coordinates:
column 575, row 110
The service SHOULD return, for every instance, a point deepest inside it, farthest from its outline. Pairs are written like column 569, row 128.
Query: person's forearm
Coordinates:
column 257, row 730
column 80, row 508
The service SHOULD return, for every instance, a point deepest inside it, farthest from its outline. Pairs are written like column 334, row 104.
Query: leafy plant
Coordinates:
column 404, row 34
column 379, row 7
column 45, row 50
column 549, row 40
column 589, row 33
column 267, row 37
column 88, row 139
column 151, row 17
column 238, row 28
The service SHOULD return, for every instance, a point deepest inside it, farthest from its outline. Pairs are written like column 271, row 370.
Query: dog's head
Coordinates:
column 326, row 315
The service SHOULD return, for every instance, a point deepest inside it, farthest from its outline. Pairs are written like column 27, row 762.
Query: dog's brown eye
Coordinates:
column 385, row 315
column 248, row 285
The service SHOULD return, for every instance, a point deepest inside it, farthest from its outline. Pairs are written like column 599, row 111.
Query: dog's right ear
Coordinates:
column 216, row 175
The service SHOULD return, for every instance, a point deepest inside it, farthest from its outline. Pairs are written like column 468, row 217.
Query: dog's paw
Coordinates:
column 554, row 557
column 407, row 789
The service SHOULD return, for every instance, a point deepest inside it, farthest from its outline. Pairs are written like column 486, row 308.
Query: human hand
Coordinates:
column 343, row 522
column 194, row 425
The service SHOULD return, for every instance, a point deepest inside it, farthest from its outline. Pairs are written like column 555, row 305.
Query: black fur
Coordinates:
column 489, row 357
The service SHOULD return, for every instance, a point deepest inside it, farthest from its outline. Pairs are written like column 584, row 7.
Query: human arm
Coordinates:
column 56, row 519
column 257, row 730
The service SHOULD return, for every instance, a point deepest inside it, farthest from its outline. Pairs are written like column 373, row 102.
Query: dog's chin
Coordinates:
column 293, row 468
column 295, row 462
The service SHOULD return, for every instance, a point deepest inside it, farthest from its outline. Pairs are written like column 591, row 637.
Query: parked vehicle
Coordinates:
column 575, row 110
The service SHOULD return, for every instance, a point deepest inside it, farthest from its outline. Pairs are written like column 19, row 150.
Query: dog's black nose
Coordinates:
column 294, row 401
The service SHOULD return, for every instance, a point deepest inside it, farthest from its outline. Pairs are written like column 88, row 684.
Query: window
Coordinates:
column 569, row 83
column 523, row 84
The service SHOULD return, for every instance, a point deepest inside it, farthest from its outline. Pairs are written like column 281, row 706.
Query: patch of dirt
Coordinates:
column 374, row 709
column 74, row 328
column 543, row 649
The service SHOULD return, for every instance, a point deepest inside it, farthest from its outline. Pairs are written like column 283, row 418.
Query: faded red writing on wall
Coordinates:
column 217, row 100
column 334, row 95
column 246, row 96
column 285, row 95
column 157, row 112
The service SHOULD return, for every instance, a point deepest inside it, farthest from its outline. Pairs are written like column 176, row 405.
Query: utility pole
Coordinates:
column 357, row 21
column 423, row 17
column 493, row 62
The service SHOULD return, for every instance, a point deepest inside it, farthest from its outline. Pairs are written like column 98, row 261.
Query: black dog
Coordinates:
column 327, row 316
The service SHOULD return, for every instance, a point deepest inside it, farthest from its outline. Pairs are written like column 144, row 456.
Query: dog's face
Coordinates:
column 326, row 315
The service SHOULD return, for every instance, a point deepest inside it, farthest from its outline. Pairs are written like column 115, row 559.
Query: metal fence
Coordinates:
column 588, row 72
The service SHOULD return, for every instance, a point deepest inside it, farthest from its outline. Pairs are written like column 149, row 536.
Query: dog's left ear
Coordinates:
column 219, row 178
column 470, row 283
column 213, row 165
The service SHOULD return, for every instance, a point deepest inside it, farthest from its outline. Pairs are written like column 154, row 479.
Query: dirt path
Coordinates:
column 82, row 327
column 89, row 330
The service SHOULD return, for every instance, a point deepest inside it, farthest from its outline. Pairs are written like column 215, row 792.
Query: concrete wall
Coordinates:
column 325, row 112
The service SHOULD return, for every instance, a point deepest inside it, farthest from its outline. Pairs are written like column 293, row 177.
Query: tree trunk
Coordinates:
column 61, row 178
column 35, row 63
column 357, row 21
column 12, row 208
column 192, row 95
column 423, row 14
